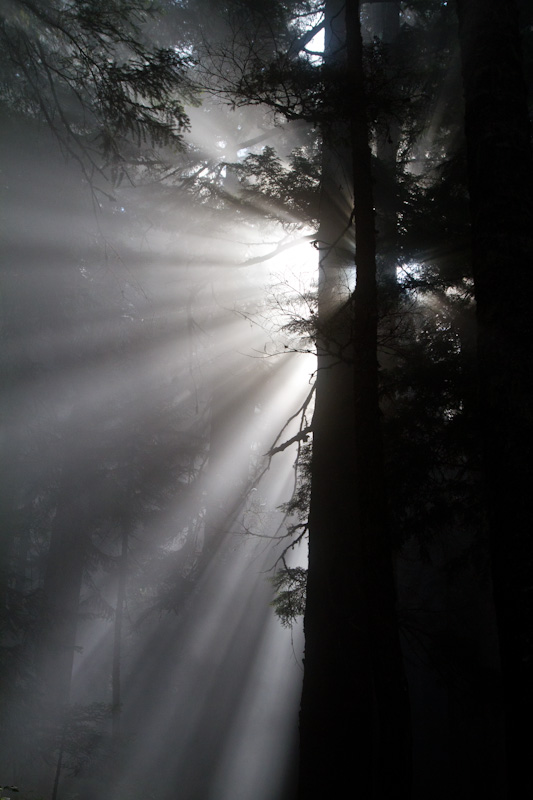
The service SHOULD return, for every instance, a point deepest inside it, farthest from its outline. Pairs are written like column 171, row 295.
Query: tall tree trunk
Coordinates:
column 61, row 595
column 59, row 763
column 61, row 591
column 393, row 775
column 353, row 729
column 336, row 713
column 500, row 175
column 116, row 702
column 383, row 24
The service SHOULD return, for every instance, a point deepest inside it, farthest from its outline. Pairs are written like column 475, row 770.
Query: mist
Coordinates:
column 147, row 376
column 266, row 429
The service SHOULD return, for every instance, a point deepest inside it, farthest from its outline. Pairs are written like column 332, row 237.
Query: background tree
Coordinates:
column 500, row 180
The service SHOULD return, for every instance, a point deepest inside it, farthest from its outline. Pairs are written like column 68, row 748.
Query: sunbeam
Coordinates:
column 150, row 378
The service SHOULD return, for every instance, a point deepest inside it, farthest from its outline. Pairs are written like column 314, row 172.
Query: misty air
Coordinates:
column 266, row 429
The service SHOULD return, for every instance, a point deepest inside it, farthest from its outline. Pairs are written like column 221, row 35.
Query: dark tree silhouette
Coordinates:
column 354, row 694
column 500, row 179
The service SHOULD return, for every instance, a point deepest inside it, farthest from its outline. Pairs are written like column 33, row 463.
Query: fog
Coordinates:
column 148, row 373
column 228, row 232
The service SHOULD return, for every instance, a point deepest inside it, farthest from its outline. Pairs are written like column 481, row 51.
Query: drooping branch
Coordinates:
column 301, row 436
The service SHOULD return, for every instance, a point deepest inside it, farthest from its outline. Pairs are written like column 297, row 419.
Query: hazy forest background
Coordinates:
column 267, row 349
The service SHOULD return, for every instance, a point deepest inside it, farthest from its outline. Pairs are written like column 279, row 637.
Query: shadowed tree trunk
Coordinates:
column 61, row 592
column 116, row 692
column 500, row 175
column 61, row 596
column 336, row 716
column 393, row 765
column 383, row 25
column 354, row 729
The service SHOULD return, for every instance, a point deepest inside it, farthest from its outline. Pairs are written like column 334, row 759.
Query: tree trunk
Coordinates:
column 336, row 715
column 116, row 702
column 500, row 175
column 61, row 595
column 382, row 22
column 393, row 775
column 353, row 730
column 61, row 591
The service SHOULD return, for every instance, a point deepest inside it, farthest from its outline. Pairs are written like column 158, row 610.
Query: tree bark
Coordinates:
column 336, row 714
column 353, row 716
column 393, row 766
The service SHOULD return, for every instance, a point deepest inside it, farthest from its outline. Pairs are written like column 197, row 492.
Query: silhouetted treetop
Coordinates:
column 86, row 68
